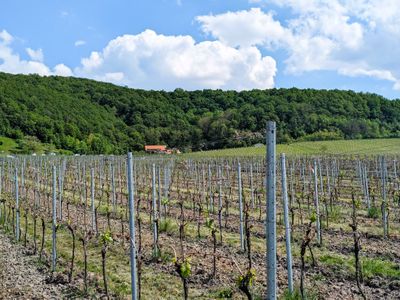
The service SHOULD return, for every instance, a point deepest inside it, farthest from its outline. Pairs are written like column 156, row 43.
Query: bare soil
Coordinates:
column 20, row 277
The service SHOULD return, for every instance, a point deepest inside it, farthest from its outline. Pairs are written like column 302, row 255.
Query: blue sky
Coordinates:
column 196, row 44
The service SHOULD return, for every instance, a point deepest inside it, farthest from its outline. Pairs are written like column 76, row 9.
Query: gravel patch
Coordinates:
column 19, row 276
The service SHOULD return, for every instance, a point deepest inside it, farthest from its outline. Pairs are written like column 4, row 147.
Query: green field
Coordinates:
column 27, row 145
column 7, row 145
column 362, row 147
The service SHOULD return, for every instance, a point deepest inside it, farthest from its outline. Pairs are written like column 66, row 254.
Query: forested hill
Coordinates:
column 86, row 116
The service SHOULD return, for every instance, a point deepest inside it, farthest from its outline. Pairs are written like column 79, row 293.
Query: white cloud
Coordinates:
column 35, row 55
column 5, row 37
column 62, row 70
column 95, row 60
column 244, row 28
column 380, row 74
column 11, row 62
column 153, row 61
column 351, row 37
column 80, row 43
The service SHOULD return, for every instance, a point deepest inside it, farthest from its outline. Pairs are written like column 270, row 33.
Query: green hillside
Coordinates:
column 85, row 116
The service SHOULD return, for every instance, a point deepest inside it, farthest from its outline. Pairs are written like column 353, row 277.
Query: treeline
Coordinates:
column 85, row 116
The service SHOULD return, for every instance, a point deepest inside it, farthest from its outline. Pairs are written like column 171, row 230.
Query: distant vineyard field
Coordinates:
column 200, row 224
column 361, row 147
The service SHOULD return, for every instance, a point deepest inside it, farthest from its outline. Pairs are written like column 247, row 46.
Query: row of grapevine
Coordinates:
column 195, row 220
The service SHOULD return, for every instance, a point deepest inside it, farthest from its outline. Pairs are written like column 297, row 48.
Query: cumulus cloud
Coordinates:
column 5, row 37
column 35, row 55
column 244, row 28
column 155, row 61
column 11, row 62
column 62, row 70
column 351, row 37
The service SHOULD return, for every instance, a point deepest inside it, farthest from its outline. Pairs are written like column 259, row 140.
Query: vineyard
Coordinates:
column 200, row 225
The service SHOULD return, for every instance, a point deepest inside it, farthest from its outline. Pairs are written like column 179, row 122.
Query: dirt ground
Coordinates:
column 20, row 277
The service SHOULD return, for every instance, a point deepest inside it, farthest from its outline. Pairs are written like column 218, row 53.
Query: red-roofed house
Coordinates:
column 156, row 149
